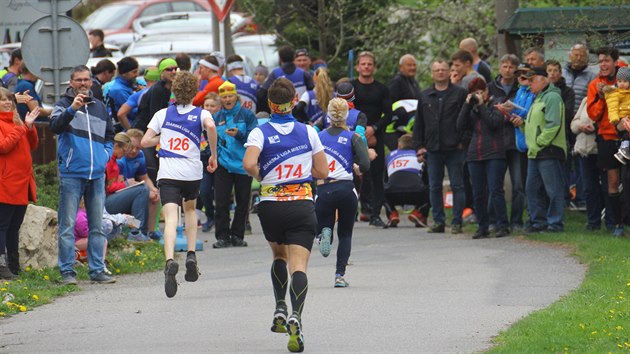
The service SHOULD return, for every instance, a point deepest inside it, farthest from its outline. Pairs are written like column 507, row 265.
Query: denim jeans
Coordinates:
column 545, row 174
column 486, row 178
column 70, row 192
column 134, row 201
column 595, row 185
column 206, row 193
column 454, row 163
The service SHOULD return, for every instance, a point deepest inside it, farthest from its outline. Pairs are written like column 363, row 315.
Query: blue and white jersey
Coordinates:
column 297, row 78
column 180, row 130
column 339, row 155
column 313, row 110
column 286, row 159
column 246, row 87
column 403, row 160
column 351, row 121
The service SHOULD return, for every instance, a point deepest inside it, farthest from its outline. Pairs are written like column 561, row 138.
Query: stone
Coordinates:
column 38, row 238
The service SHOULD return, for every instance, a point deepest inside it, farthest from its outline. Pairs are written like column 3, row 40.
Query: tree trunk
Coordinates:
column 505, row 9
column 321, row 24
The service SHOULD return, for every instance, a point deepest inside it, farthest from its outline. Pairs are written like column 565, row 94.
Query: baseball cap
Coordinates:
column 301, row 52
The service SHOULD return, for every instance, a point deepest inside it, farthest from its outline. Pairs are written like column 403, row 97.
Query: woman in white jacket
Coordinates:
column 594, row 180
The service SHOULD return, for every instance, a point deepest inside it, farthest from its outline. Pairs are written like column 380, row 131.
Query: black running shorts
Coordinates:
column 172, row 191
column 290, row 223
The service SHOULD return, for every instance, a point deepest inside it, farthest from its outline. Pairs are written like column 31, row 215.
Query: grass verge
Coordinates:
column 37, row 287
column 594, row 318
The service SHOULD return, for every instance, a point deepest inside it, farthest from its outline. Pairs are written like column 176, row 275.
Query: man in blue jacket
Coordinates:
column 84, row 145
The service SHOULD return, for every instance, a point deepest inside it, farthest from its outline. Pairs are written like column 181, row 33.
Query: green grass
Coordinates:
column 37, row 287
column 594, row 318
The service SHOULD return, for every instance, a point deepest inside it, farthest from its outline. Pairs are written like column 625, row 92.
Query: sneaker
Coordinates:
column 417, row 218
column 436, row 229
column 155, row 235
column 296, row 339
column 625, row 152
column 279, row 324
column 619, row 156
column 618, row 231
column 393, row 219
column 481, row 233
column 68, row 279
column 468, row 216
column 340, row 282
column 222, row 244
column 102, row 278
column 456, row 229
column 170, row 283
column 502, row 232
column 137, row 236
column 207, row 226
column 378, row 222
column 324, row 241
column 192, row 270
column 238, row 242
column 107, row 271
column 364, row 217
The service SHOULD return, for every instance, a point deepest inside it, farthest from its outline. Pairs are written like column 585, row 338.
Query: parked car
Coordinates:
column 260, row 48
column 116, row 18
column 183, row 22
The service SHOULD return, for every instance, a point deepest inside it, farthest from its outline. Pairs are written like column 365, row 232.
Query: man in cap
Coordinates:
column 124, row 85
column 302, row 60
column 546, row 151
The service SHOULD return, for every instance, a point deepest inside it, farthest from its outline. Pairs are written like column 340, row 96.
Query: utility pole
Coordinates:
column 504, row 9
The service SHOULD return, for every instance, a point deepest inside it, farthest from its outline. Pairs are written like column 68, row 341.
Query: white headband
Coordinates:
column 235, row 65
column 208, row 64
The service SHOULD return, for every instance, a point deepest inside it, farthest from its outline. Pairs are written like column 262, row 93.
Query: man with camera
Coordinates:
column 84, row 145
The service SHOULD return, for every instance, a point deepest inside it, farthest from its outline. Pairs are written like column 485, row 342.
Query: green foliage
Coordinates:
column 86, row 7
column 47, row 183
column 37, row 287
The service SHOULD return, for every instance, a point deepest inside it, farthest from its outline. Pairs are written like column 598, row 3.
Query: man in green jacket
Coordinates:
column 546, row 144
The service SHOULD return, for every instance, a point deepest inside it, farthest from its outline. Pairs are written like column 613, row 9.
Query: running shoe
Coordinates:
column 279, row 324
column 417, row 218
column 296, row 339
column 394, row 219
column 192, row 270
column 170, row 283
column 378, row 222
column 324, row 242
column 340, row 282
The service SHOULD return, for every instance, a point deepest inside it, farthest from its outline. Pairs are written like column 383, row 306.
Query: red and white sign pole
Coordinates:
column 221, row 9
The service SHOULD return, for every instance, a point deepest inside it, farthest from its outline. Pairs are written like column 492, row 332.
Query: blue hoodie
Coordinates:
column 85, row 137
column 231, row 150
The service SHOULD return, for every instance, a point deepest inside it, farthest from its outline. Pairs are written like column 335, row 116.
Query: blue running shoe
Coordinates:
column 155, row 235
column 340, row 282
column 296, row 339
column 324, row 242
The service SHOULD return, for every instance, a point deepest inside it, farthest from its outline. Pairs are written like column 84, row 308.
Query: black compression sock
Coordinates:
column 279, row 279
column 299, row 286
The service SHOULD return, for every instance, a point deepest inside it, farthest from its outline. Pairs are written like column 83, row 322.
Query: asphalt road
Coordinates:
column 410, row 292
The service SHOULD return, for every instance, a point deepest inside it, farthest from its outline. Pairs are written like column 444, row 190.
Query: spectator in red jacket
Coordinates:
column 17, row 139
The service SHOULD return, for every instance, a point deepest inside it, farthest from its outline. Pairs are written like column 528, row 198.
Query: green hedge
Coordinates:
column 47, row 185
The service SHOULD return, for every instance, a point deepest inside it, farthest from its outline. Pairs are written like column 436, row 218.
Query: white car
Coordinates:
column 260, row 48
column 181, row 22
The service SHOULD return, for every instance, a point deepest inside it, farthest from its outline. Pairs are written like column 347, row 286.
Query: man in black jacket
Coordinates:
column 435, row 136
column 403, row 86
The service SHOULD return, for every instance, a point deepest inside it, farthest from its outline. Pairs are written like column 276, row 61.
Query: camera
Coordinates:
column 474, row 100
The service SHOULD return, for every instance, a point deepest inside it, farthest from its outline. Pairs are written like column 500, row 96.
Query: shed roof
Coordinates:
column 568, row 19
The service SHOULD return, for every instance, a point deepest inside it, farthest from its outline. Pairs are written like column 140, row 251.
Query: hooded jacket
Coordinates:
column 16, row 168
column 544, row 127
column 85, row 137
column 486, row 126
column 597, row 110
column 231, row 149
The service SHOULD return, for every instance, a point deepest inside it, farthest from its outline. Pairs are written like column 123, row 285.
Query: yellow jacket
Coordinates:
column 618, row 102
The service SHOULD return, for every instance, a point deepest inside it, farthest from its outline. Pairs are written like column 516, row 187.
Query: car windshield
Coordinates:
column 194, row 22
column 110, row 17
column 258, row 53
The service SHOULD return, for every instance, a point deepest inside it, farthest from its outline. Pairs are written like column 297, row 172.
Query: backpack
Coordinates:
column 5, row 79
